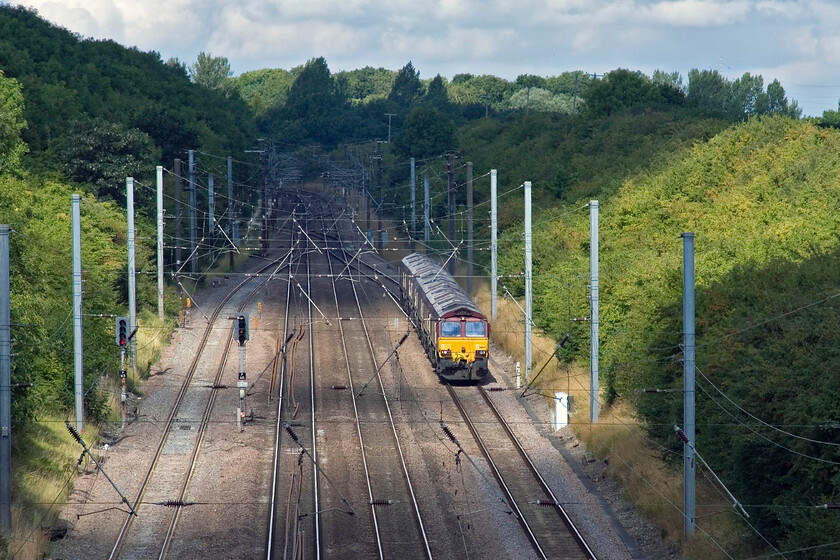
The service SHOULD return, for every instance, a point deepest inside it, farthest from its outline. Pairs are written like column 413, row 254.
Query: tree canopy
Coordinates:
column 210, row 71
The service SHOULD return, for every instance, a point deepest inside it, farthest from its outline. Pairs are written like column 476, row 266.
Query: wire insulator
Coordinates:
column 448, row 433
column 681, row 434
column 173, row 503
column 495, row 389
column 73, row 432
column 292, row 435
column 549, row 503
column 380, row 502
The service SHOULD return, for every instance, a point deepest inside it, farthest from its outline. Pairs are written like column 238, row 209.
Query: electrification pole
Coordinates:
column 230, row 209
column 450, row 173
column 413, row 204
column 132, row 289
column 688, row 382
column 179, row 233
column 469, row 228
column 494, row 247
column 593, row 312
column 379, row 208
column 6, row 385
column 211, row 211
column 264, row 204
column 529, row 298
column 160, row 241
column 426, row 228
column 79, row 376
column 191, row 187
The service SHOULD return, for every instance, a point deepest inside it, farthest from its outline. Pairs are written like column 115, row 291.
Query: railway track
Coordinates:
column 343, row 501
column 392, row 498
column 175, row 458
column 338, row 484
column 542, row 517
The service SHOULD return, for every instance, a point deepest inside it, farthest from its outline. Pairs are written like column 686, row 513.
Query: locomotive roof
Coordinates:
column 442, row 291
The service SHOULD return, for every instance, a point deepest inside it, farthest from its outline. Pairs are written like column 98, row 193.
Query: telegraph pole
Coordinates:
column 6, row 385
column 79, row 377
column 469, row 227
column 389, row 115
column 450, row 173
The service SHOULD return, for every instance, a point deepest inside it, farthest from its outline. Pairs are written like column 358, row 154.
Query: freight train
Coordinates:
column 452, row 329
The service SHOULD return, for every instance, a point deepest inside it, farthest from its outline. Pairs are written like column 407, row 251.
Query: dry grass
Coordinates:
column 45, row 455
column 653, row 485
column 44, row 466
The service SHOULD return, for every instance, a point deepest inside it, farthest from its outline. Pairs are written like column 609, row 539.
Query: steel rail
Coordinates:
column 570, row 525
column 511, row 500
column 356, row 413
column 391, row 422
column 278, row 429
column 176, row 406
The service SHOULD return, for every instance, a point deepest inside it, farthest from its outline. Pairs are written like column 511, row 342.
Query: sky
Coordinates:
column 794, row 41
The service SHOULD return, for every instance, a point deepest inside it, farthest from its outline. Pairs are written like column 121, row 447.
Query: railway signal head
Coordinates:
column 242, row 328
column 121, row 327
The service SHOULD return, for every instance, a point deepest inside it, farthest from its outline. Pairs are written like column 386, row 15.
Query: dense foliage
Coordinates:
column 89, row 113
column 66, row 80
column 761, row 198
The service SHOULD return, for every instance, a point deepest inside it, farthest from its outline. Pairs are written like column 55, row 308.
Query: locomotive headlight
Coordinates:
column 481, row 353
column 446, row 352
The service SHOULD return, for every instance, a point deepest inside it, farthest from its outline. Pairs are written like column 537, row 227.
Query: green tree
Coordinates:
column 210, row 71
column 368, row 83
column 436, row 95
column 262, row 89
column 530, row 81
column 169, row 129
column 621, row 89
column 406, row 89
column 426, row 132
column 315, row 107
column 11, row 123
column 101, row 154
column 542, row 100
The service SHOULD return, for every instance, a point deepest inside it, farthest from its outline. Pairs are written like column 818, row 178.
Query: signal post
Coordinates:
column 242, row 335
column 121, row 331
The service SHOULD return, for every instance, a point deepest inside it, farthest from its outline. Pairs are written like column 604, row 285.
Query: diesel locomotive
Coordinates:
column 452, row 329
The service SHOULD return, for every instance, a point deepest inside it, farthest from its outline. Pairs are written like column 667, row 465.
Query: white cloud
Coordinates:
column 792, row 37
column 698, row 13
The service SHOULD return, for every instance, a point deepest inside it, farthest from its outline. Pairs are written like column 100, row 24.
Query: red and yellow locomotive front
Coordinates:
column 462, row 344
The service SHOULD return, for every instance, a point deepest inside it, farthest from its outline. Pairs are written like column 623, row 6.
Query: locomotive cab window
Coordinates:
column 450, row 328
column 475, row 328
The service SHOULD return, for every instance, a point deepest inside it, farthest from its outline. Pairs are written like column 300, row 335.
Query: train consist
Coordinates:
column 452, row 329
